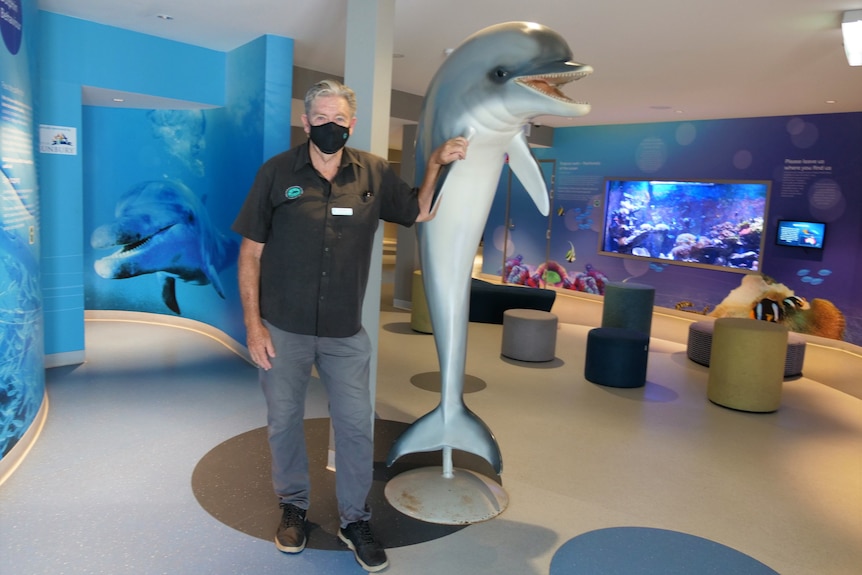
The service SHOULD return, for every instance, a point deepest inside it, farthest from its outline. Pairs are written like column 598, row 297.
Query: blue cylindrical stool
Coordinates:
column 616, row 357
column 628, row 305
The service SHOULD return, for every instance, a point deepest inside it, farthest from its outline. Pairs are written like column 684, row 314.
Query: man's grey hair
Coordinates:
column 330, row 88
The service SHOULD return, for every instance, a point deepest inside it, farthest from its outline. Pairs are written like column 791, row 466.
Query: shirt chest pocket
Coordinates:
column 355, row 212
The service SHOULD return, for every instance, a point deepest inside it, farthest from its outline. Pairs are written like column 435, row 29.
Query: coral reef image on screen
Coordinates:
column 702, row 223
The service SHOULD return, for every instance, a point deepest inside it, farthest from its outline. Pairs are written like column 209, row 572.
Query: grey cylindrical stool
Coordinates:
column 699, row 342
column 746, row 364
column 420, row 318
column 628, row 305
column 795, row 355
column 529, row 335
column 616, row 357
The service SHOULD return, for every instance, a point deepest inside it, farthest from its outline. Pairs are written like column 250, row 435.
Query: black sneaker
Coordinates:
column 290, row 537
column 368, row 551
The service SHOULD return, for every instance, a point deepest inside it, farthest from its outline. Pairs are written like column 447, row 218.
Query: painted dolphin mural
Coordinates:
column 487, row 90
column 162, row 227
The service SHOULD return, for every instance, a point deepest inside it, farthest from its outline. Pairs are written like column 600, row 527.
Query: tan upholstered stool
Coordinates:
column 700, row 345
column 746, row 365
column 420, row 318
column 529, row 335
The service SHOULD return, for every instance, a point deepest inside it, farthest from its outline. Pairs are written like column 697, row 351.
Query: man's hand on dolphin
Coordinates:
column 435, row 172
column 451, row 150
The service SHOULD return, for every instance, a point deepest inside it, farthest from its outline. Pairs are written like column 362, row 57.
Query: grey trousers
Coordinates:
column 343, row 366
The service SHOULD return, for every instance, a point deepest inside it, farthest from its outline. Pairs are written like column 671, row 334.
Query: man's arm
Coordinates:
column 257, row 336
column 451, row 150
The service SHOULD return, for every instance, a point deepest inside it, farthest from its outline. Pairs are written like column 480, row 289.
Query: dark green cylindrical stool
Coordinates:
column 628, row 305
column 616, row 357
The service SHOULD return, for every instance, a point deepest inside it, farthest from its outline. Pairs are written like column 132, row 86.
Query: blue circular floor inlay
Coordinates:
column 648, row 551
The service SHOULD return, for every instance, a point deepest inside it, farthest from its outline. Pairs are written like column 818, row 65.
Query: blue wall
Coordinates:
column 76, row 53
column 214, row 151
column 130, row 169
column 814, row 164
column 22, row 381
column 189, row 169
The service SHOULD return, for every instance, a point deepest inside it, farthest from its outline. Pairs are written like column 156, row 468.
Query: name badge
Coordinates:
column 342, row 211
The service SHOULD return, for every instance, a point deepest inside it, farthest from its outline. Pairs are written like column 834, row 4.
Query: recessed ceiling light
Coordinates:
column 119, row 99
column 831, row 101
column 164, row 16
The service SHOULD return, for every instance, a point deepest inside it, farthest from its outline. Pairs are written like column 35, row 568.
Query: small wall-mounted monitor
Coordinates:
column 800, row 234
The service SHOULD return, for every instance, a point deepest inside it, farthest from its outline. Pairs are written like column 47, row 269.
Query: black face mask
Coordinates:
column 329, row 137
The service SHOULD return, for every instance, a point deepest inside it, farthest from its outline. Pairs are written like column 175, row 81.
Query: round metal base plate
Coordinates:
column 464, row 498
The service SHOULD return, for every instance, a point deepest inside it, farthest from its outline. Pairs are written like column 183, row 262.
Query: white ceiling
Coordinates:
column 654, row 60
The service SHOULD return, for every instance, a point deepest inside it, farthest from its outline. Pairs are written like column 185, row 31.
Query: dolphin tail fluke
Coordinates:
column 437, row 429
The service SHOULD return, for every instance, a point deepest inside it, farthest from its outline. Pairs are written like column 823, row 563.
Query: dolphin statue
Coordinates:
column 162, row 227
column 488, row 88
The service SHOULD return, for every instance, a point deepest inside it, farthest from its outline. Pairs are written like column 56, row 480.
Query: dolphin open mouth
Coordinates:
column 550, row 84
column 130, row 247
column 125, row 249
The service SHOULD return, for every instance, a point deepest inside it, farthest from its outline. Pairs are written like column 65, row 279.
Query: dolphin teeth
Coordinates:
column 549, row 84
column 132, row 246
column 538, row 84
column 135, row 245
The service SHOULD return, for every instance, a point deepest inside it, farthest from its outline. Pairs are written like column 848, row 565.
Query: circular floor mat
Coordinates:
column 647, row 551
column 232, row 483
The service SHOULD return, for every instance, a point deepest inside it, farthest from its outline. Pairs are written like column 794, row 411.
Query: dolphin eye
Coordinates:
column 499, row 75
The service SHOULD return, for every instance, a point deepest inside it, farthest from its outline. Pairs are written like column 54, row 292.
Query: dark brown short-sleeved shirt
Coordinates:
column 319, row 236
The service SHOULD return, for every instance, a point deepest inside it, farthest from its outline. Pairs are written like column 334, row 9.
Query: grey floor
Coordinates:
column 107, row 488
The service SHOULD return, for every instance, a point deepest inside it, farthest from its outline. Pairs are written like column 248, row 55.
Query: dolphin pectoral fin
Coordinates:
column 169, row 292
column 526, row 168
column 215, row 280
column 461, row 430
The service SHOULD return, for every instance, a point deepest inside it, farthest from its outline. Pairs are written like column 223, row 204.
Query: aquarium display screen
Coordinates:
column 802, row 234
column 704, row 223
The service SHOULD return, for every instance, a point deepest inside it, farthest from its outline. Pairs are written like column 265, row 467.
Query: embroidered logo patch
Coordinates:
column 293, row 192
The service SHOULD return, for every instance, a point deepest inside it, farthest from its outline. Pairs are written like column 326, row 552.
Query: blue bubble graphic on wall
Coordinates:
column 805, row 277
column 20, row 340
column 182, row 132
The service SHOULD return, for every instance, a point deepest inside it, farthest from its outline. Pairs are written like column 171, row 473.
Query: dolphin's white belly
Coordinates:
column 465, row 202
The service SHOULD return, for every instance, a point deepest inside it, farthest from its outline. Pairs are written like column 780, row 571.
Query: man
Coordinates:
column 308, row 225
